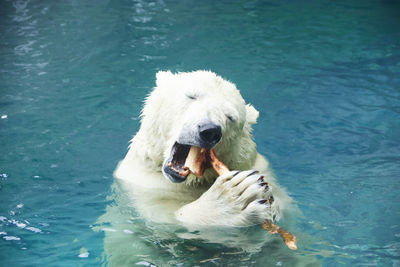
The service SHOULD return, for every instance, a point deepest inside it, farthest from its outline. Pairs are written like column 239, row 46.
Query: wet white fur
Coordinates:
column 168, row 111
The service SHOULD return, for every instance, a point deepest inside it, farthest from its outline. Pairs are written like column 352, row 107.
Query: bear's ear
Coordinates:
column 251, row 114
column 162, row 76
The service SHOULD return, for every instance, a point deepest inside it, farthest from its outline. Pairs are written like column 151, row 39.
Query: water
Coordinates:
column 325, row 76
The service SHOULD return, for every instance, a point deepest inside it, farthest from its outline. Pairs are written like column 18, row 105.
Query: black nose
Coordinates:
column 210, row 134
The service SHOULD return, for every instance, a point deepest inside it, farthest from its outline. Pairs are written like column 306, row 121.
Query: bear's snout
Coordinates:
column 210, row 134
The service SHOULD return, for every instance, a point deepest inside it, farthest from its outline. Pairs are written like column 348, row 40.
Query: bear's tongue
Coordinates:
column 188, row 159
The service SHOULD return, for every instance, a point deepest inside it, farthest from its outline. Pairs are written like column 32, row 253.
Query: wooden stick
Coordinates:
column 219, row 167
column 289, row 239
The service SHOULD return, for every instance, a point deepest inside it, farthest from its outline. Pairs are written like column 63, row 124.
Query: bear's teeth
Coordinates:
column 183, row 172
column 196, row 160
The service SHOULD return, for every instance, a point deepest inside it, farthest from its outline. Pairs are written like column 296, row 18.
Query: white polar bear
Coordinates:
column 199, row 109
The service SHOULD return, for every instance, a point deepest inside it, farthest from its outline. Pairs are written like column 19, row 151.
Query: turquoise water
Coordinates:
column 325, row 76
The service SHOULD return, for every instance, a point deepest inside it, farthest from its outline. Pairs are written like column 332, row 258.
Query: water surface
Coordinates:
column 325, row 76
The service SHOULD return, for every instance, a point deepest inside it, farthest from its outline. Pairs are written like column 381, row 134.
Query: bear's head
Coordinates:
column 195, row 109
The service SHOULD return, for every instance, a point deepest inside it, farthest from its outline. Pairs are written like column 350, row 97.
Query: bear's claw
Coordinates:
column 244, row 182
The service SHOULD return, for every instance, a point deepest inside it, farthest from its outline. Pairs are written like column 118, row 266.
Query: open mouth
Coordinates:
column 186, row 159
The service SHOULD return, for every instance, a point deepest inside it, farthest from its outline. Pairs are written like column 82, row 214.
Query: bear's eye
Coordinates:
column 231, row 118
column 193, row 97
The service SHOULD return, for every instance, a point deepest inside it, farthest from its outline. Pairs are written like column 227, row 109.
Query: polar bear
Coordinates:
column 199, row 109
column 159, row 214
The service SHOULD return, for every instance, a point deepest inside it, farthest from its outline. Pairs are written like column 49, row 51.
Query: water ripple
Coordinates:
column 323, row 74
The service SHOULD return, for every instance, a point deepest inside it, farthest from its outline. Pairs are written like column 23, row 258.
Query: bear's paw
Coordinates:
column 235, row 199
